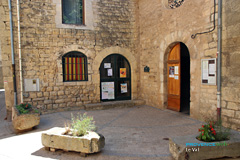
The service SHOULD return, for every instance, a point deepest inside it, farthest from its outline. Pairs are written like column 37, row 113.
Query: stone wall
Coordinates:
column 231, row 65
column 5, row 50
column 1, row 76
column 44, row 43
column 161, row 28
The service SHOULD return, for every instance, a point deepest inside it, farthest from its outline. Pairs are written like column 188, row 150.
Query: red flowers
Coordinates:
column 26, row 106
column 207, row 132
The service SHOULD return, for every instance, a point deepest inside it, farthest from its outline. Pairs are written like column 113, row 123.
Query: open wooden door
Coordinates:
column 174, row 78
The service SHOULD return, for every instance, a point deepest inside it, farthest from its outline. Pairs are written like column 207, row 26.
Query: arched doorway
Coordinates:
column 178, row 66
column 115, row 78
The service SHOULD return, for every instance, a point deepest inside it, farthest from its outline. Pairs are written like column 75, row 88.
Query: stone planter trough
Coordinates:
column 55, row 139
column 204, row 150
column 24, row 122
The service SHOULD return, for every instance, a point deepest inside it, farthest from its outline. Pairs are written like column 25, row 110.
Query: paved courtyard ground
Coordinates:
column 131, row 133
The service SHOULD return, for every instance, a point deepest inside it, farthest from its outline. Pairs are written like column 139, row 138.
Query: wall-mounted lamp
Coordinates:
column 146, row 69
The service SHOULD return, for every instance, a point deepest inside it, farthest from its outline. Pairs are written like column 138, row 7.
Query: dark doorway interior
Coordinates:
column 185, row 80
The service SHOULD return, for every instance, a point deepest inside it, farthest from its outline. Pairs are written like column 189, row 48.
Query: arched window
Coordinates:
column 74, row 67
column 175, row 3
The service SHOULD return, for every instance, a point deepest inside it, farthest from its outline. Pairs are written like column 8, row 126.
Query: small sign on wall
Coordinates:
column 31, row 85
column 209, row 71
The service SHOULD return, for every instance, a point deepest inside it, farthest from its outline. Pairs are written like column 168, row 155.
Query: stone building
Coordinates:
column 121, row 50
column 1, row 74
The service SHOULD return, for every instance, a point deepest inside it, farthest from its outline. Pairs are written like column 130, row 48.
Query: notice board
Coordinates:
column 209, row 71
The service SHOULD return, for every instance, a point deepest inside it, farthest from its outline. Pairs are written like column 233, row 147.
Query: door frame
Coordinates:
column 116, row 79
column 165, row 74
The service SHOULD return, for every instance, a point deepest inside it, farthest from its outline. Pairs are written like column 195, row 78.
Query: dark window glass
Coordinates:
column 74, row 67
column 72, row 11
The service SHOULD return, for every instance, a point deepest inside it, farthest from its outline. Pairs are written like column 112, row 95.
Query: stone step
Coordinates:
column 99, row 106
column 114, row 104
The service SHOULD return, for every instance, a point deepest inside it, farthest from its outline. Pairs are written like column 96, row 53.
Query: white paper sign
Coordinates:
column 105, row 95
column 110, row 72
column 175, row 77
column 212, row 69
column 107, row 65
column 205, row 69
column 176, row 69
column 108, row 90
column 209, row 71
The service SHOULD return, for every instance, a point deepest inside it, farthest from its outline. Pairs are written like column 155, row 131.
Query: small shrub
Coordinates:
column 81, row 124
column 222, row 132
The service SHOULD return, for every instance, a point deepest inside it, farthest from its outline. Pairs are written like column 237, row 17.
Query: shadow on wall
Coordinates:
column 1, row 77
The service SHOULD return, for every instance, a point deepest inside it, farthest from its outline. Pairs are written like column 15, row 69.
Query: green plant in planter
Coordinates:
column 213, row 132
column 207, row 133
column 25, row 108
column 81, row 124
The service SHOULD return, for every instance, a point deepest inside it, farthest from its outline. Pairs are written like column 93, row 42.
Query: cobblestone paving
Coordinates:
column 131, row 133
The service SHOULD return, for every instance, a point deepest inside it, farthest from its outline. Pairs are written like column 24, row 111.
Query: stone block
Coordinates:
column 90, row 143
column 59, row 101
column 179, row 149
column 227, row 112
column 233, row 106
column 22, row 122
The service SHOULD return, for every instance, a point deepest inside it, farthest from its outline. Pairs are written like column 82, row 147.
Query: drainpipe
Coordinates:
column 12, row 51
column 20, row 52
column 219, row 51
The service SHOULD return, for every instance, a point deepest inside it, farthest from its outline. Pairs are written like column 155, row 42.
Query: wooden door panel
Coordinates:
column 174, row 102
column 174, row 78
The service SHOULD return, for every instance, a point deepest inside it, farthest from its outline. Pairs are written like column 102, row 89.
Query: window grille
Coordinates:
column 74, row 67
column 73, row 12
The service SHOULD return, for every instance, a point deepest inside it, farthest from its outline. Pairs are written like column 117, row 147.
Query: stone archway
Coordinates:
column 108, row 51
column 165, row 47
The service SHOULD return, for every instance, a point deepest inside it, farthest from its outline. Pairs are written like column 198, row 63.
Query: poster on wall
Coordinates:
column 107, row 65
column 107, row 90
column 123, row 72
column 123, row 88
column 110, row 72
column 209, row 71
column 171, row 71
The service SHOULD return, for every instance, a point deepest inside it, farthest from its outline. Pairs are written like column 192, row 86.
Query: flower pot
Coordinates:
column 55, row 139
column 24, row 122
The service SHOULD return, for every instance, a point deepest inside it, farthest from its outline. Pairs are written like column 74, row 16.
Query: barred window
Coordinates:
column 73, row 12
column 74, row 67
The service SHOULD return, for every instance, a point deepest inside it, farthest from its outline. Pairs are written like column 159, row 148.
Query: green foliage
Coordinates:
column 81, row 124
column 207, row 132
column 222, row 132
column 24, row 108
column 213, row 132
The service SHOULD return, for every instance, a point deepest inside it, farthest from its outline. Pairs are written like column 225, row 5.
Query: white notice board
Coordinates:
column 209, row 71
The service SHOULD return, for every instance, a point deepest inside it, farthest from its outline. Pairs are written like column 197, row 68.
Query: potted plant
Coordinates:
column 214, row 141
column 213, row 131
column 25, row 117
column 79, row 136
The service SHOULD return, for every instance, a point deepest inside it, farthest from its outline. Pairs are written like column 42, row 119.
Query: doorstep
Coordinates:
column 114, row 104
column 98, row 106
